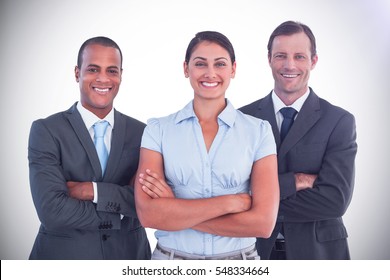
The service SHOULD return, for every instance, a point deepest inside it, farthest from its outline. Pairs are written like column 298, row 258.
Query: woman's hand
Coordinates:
column 154, row 186
column 240, row 202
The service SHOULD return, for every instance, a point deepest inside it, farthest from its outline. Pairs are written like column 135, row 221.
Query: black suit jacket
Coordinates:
column 60, row 150
column 321, row 141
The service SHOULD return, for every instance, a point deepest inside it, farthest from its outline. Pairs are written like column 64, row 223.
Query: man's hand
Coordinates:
column 304, row 181
column 154, row 186
column 80, row 190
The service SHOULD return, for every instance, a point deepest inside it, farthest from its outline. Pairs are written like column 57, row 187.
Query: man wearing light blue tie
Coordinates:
column 99, row 129
column 82, row 162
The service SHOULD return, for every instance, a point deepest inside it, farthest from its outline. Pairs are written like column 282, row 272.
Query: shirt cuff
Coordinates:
column 95, row 193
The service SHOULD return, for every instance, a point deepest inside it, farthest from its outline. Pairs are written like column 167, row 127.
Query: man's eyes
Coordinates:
column 113, row 71
column 109, row 71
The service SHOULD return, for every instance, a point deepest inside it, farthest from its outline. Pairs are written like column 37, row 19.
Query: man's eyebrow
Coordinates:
column 113, row 66
column 97, row 66
column 93, row 65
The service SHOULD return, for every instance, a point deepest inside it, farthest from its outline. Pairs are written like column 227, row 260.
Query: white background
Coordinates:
column 39, row 44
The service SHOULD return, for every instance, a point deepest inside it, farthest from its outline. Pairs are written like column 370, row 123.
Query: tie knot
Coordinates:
column 288, row 112
column 100, row 128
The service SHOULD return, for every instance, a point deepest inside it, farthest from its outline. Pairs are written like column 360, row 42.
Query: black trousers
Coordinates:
column 279, row 250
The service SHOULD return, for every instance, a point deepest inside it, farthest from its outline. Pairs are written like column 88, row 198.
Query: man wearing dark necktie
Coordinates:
column 82, row 162
column 288, row 114
column 316, row 144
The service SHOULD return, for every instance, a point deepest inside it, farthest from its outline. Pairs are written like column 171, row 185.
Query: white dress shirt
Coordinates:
column 278, row 104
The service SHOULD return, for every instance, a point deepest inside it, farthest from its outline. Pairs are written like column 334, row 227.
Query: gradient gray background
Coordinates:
column 39, row 44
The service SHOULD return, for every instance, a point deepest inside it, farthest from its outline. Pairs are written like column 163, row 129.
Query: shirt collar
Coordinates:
column 90, row 118
column 228, row 115
column 297, row 105
column 186, row 113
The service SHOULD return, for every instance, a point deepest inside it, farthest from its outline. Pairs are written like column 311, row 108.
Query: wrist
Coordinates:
column 94, row 193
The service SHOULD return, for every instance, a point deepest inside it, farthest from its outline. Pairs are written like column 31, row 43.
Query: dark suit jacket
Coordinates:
column 60, row 150
column 321, row 141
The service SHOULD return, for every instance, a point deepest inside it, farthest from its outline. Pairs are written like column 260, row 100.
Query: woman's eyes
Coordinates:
column 203, row 64
column 200, row 64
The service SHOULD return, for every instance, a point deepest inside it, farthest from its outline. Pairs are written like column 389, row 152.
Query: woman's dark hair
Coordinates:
column 210, row 36
column 102, row 41
column 289, row 28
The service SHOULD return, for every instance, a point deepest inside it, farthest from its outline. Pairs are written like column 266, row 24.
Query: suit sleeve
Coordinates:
column 287, row 180
column 332, row 191
column 54, row 207
column 116, row 194
column 116, row 199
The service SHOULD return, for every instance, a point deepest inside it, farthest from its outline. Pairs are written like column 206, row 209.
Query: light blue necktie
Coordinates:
column 100, row 129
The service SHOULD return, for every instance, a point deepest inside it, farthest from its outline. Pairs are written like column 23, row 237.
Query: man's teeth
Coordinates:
column 289, row 76
column 210, row 84
column 102, row 89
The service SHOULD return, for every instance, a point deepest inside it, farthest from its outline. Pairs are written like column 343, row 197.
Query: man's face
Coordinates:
column 99, row 77
column 291, row 62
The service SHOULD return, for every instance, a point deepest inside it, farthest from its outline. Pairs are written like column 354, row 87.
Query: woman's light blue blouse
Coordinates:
column 193, row 173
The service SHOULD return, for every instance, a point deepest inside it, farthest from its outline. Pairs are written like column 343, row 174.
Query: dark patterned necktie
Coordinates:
column 288, row 120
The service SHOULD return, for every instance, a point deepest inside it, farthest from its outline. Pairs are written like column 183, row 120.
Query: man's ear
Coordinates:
column 314, row 61
column 77, row 73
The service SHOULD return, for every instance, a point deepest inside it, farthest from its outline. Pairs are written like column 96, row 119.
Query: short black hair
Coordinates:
column 100, row 40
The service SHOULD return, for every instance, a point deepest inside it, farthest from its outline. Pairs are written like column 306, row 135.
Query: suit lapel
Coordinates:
column 82, row 133
column 307, row 117
column 267, row 112
column 117, row 143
